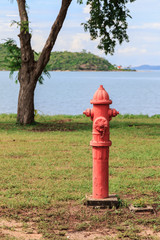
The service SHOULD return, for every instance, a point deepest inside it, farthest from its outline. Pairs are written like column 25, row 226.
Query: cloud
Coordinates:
column 38, row 41
column 40, row 25
column 79, row 41
column 86, row 9
column 68, row 24
column 6, row 31
column 131, row 51
column 71, row 24
column 155, row 25
column 150, row 39
column 73, row 43
column 11, row 15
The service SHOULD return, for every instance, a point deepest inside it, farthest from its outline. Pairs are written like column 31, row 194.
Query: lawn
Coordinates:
column 46, row 171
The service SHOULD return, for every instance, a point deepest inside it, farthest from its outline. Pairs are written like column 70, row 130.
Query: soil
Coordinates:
column 77, row 222
column 18, row 230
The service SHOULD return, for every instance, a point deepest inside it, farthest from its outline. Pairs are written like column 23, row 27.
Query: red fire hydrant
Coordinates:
column 101, row 114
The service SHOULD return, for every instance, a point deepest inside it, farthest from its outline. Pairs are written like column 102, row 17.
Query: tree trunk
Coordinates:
column 31, row 70
column 25, row 112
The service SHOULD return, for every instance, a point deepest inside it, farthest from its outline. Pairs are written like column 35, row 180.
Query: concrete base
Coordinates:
column 111, row 201
column 147, row 209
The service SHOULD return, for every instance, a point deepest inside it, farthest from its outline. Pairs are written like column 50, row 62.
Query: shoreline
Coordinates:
column 124, row 116
column 82, row 71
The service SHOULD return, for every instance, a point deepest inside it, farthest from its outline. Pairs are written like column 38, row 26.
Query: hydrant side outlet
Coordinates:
column 101, row 114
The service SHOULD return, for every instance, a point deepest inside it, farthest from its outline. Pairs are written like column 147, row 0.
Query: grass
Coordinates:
column 46, row 171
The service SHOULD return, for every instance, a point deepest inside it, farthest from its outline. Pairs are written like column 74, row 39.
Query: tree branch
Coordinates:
column 56, row 27
column 22, row 10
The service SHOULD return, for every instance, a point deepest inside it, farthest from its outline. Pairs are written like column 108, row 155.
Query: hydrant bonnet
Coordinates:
column 101, row 97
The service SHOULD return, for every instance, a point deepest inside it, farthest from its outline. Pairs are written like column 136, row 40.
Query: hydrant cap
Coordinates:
column 101, row 97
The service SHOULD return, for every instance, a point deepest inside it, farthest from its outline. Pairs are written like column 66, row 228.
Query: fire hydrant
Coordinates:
column 101, row 114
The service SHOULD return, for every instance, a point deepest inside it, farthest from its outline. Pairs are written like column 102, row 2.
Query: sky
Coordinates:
column 143, row 30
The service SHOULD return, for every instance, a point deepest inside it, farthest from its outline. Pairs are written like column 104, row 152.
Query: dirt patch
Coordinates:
column 91, row 235
column 19, row 230
column 104, row 234
column 97, row 235
column 146, row 232
column 73, row 221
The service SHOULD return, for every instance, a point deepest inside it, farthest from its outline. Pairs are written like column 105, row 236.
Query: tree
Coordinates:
column 108, row 22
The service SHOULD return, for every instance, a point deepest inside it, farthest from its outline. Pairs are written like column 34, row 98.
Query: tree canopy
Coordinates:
column 108, row 22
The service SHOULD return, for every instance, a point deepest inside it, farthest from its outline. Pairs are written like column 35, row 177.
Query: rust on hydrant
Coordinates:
column 101, row 114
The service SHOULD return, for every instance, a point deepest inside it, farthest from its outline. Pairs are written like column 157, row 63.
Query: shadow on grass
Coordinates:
column 81, row 123
column 149, row 129
column 62, row 126
column 57, row 125
column 117, row 124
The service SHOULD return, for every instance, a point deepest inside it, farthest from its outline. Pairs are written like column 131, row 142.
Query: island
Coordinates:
column 68, row 61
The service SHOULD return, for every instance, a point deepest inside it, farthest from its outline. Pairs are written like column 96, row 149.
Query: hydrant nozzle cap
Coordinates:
column 101, row 97
column 101, row 87
column 87, row 112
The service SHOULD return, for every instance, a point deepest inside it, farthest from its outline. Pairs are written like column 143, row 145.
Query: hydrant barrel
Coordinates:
column 101, row 114
column 100, row 172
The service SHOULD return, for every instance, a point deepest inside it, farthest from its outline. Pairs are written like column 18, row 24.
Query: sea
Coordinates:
column 70, row 92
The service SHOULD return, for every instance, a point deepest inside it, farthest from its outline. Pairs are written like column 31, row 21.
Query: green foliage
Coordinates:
column 10, row 59
column 75, row 61
column 24, row 25
column 80, row 1
column 108, row 21
column 13, row 57
column 3, row 54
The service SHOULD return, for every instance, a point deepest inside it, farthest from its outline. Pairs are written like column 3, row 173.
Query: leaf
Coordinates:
column 108, row 22
column 13, row 58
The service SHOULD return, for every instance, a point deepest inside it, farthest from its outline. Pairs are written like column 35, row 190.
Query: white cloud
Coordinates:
column 79, row 41
column 71, row 24
column 6, row 31
column 86, row 9
column 155, row 25
column 40, row 25
column 150, row 39
column 62, row 43
column 131, row 51
column 11, row 15
column 38, row 41
column 73, row 43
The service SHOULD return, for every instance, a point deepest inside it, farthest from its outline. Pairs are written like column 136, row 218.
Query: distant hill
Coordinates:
column 147, row 67
column 78, row 61
column 71, row 61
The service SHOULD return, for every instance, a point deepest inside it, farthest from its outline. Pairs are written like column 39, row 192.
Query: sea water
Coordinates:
column 71, row 92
